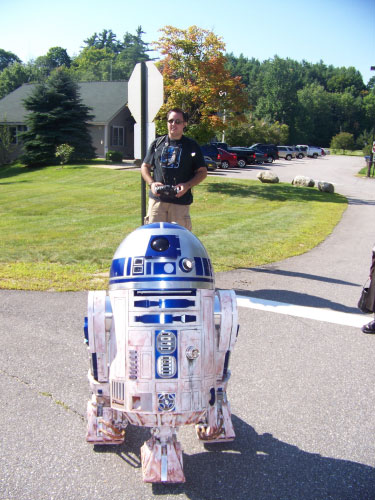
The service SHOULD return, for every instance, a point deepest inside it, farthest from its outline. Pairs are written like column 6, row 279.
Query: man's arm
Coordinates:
column 146, row 174
column 199, row 176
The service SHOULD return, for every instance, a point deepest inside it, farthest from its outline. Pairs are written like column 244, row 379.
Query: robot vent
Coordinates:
column 133, row 365
column 166, row 402
column 118, row 391
column 166, row 342
column 166, row 366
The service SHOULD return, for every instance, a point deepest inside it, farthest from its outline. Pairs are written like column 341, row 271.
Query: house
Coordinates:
column 112, row 127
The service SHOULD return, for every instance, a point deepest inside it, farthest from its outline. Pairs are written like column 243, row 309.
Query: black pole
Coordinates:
column 143, row 134
column 370, row 163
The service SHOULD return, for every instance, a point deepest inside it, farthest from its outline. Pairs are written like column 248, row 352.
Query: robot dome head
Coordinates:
column 161, row 256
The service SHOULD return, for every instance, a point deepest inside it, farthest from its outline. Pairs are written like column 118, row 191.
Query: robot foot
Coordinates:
column 218, row 427
column 102, row 425
column 162, row 460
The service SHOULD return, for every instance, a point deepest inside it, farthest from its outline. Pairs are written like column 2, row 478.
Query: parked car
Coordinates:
column 270, row 149
column 311, row 151
column 211, row 151
column 227, row 159
column 210, row 163
column 245, row 156
column 286, row 152
column 300, row 152
column 259, row 158
column 223, row 158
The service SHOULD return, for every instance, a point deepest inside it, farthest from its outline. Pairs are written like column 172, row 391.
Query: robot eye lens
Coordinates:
column 160, row 244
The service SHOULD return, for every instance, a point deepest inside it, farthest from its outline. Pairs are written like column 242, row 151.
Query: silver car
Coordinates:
column 286, row 152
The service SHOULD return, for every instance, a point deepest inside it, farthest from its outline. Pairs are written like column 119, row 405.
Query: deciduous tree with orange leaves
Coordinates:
column 196, row 80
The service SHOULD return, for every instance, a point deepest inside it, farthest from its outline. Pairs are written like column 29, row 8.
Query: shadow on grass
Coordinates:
column 280, row 192
column 15, row 169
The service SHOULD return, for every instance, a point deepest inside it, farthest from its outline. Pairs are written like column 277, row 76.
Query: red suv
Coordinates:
column 226, row 159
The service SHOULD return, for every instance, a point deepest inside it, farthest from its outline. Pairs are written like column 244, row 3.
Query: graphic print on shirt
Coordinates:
column 171, row 156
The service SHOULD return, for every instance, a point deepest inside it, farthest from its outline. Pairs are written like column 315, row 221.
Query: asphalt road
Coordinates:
column 302, row 390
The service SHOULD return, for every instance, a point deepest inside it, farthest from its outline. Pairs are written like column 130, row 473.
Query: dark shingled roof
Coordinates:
column 105, row 99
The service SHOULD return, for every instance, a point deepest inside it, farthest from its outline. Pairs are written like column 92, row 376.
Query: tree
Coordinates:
column 57, row 116
column 368, row 104
column 343, row 140
column 55, row 58
column 7, row 58
column 315, row 122
column 104, row 40
column 13, row 77
column 249, row 70
column 196, row 79
column 281, row 79
column 349, row 112
column 133, row 51
column 365, row 140
column 105, row 58
column 346, row 80
column 371, row 84
column 253, row 130
column 93, row 64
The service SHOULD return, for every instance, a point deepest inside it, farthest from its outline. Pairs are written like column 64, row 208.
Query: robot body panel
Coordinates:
column 159, row 342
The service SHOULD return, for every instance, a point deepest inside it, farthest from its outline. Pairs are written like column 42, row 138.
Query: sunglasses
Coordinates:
column 177, row 122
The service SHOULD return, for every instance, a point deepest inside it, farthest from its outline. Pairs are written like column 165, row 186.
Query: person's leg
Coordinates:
column 179, row 214
column 369, row 328
column 157, row 211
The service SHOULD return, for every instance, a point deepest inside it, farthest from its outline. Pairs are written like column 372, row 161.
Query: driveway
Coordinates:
column 302, row 390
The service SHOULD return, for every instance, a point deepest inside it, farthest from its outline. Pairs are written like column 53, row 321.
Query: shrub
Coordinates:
column 343, row 140
column 114, row 156
column 64, row 152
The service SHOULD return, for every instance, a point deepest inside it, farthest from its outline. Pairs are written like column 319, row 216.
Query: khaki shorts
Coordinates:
column 159, row 211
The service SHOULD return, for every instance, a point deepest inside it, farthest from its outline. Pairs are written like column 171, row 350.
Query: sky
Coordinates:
column 338, row 32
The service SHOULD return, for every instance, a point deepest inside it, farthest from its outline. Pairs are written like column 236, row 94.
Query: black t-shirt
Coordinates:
column 174, row 162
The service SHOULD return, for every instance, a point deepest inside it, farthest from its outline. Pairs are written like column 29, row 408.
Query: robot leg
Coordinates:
column 162, row 457
column 217, row 426
column 104, row 425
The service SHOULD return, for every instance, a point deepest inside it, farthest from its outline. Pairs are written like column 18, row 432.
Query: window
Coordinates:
column 117, row 138
column 15, row 133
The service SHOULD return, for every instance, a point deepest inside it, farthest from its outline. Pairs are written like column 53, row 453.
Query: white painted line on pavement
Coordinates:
column 327, row 315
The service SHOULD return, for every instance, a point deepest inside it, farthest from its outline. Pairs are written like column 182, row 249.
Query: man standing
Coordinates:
column 176, row 161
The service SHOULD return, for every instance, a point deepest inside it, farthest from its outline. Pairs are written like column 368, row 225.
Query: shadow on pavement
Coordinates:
column 256, row 467
column 297, row 299
column 294, row 274
column 260, row 467
column 360, row 201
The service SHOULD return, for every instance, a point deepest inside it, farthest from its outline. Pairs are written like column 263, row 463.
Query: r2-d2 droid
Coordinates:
column 159, row 342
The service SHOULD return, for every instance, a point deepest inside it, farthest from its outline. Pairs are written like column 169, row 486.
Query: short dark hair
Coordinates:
column 178, row 110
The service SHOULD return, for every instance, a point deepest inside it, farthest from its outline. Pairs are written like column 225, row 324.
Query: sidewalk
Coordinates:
column 124, row 165
column 332, row 274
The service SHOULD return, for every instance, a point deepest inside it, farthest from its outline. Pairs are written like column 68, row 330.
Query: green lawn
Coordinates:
column 61, row 227
column 347, row 152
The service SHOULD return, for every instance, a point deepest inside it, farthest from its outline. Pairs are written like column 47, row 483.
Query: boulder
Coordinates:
column 301, row 180
column 326, row 187
column 269, row 177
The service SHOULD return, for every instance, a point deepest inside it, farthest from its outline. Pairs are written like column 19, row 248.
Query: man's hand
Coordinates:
column 153, row 186
column 182, row 189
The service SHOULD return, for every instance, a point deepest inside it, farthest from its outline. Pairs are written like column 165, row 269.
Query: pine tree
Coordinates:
column 57, row 116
